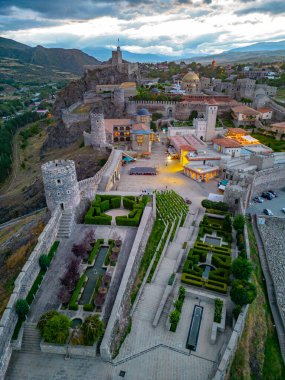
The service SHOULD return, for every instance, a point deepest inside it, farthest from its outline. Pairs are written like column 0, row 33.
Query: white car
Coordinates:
column 268, row 212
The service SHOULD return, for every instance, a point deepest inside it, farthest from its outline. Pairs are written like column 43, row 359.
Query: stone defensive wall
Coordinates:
column 68, row 117
column 278, row 110
column 22, row 286
column 269, row 178
column 89, row 186
column 119, row 318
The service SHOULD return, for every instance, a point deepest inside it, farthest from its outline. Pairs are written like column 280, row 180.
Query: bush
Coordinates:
column 171, row 279
column 35, row 287
column 243, row 292
column 88, row 307
column 182, row 292
column 56, row 329
column 178, row 305
column 236, row 311
column 95, row 251
column 242, row 268
column 239, row 222
column 218, row 310
column 93, row 329
column 104, row 206
column 22, row 308
column 128, row 202
column 174, row 317
column 116, row 202
column 44, row 262
column 220, row 275
column 221, row 261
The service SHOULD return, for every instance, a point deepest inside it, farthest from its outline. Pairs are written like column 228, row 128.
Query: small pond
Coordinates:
column 92, row 274
column 213, row 240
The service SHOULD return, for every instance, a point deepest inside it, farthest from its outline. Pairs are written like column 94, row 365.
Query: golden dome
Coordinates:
column 190, row 77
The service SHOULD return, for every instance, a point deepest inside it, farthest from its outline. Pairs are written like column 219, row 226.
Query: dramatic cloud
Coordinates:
column 172, row 27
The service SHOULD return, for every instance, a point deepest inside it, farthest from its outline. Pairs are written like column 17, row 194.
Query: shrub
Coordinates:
column 128, row 202
column 218, row 310
column 243, row 292
column 22, row 308
column 95, row 251
column 45, row 318
column 174, row 317
column 171, row 279
column 104, row 206
column 88, row 307
column 222, row 206
column 236, row 311
column 220, row 275
column 76, row 292
column 44, row 262
column 182, row 292
column 239, row 222
column 93, row 329
column 56, row 329
column 191, row 280
column 116, row 202
column 242, row 268
column 221, row 261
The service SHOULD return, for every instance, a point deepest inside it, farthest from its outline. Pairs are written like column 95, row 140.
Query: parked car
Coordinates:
column 257, row 200
column 268, row 212
column 267, row 195
column 283, row 209
column 273, row 193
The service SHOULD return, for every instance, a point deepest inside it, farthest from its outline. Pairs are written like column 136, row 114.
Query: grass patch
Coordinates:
column 276, row 145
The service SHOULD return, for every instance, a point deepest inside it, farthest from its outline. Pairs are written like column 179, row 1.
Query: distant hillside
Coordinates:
column 68, row 60
column 240, row 57
column 261, row 47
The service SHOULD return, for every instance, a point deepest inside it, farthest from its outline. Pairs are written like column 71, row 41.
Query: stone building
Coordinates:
column 61, row 185
column 205, row 128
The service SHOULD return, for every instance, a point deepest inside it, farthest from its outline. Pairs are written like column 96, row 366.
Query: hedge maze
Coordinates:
column 218, row 278
column 102, row 203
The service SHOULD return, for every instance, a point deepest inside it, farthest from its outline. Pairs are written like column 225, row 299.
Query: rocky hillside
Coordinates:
column 71, row 60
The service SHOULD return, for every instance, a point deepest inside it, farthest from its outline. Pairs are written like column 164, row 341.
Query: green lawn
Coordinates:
column 276, row 145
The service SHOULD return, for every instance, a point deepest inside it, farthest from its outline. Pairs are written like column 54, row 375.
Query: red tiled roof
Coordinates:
column 227, row 143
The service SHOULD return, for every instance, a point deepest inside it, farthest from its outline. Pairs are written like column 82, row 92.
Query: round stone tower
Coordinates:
column 119, row 99
column 98, row 133
column 61, row 185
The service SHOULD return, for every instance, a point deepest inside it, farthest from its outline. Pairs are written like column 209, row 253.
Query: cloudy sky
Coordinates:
column 170, row 27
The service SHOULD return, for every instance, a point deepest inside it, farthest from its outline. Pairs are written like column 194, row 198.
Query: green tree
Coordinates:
column 56, row 329
column 93, row 329
column 242, row 292
column 22, row 308
column 242, row 268
column 178, row 305
column 236, row 311
column 44, row 262
column 182, row 292
column 239, row 222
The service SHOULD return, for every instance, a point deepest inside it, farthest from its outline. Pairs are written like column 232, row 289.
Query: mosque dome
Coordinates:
column 190, row 77
column 143, row 112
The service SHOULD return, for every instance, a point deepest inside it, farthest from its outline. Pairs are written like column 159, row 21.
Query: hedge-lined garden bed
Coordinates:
column 102, row 203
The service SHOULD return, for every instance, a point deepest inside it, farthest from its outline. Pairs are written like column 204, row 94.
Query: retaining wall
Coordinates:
column 22, row 286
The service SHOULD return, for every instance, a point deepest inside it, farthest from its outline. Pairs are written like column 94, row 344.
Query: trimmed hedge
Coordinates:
column 73, row 301
column 221, row 261
column 218, row 310
column 104, row 206
column 53, row 250
column 220, row 275
column 221, row 250
column 116, row 202
column 95, row 250
column 216, row 286
column 133, row 219
column 222, row 206
column 35, row 287
column 187, row 279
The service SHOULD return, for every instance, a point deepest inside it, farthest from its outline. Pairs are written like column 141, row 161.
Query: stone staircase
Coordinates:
column 31, row 339
column 65, row 225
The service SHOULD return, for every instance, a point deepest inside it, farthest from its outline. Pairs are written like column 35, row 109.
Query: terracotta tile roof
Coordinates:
column 264, row 110
column 227, row 143
column 245, row 110
column 237, row 131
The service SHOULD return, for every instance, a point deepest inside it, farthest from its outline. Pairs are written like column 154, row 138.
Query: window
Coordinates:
column 58, row 181
column 68, row 191
column 58, row 193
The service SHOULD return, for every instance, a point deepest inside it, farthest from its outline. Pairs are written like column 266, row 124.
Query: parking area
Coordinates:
column 275, row 205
